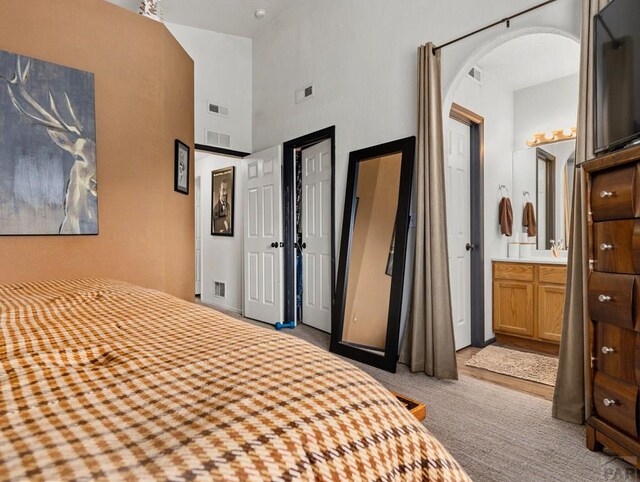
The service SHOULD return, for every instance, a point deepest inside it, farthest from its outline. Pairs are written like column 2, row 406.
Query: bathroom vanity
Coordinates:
column 528, row 302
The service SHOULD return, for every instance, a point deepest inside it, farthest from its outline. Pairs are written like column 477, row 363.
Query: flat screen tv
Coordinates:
column 617, row 75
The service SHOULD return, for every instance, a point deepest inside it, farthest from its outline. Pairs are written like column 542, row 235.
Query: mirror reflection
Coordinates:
column 372, row 247
column 542, row 192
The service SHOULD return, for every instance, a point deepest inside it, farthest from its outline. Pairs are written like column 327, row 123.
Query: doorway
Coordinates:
column 198, row 223
column 465, row 224
column 309, row 228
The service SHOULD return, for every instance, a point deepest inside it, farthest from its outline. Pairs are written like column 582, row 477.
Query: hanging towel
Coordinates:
column 505, row 216
column 529, row 220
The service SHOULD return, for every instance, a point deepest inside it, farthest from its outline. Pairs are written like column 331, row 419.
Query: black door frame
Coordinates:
column 476, row 168
column 288, row 214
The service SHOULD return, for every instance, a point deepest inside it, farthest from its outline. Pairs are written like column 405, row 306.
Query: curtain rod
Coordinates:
column 506, row 19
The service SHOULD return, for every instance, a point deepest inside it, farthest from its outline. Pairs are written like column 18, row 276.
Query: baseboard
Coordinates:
column 214, row 304
column 490, row 341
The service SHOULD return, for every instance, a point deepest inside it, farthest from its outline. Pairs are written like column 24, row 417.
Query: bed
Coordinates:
column 103, row 380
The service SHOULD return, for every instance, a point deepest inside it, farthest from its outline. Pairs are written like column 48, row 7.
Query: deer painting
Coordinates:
column 66, row 132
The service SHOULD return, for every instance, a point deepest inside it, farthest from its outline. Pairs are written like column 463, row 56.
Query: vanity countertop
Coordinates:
column 534, row 260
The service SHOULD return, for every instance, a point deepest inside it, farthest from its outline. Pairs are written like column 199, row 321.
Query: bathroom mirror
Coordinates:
column 543, row 176
column 368, row 308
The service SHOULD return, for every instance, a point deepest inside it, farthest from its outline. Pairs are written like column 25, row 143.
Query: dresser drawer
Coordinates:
column 615, row 193
column 513, row 271
column 617, row 246
column 618, row 352
column 617, row 403
column 611, row 299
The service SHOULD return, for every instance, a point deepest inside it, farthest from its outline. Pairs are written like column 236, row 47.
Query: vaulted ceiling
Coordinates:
column 234, row 17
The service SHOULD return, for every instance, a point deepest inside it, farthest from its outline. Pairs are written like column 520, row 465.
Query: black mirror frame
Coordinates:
column 389, row 360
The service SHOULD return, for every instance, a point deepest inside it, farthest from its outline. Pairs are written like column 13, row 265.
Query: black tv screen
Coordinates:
column 617, row 74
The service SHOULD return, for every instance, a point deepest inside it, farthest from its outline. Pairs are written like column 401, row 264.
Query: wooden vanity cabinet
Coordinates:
column 528, row 304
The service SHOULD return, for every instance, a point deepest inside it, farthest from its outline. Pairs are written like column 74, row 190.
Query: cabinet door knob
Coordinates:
column 608, row 402
column 605, row 194
column 606, row 350
column 604, row 298
column 605, row 247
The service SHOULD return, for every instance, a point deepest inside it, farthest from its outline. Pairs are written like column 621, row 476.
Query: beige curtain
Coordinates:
column 573, row 384
column 429, row 344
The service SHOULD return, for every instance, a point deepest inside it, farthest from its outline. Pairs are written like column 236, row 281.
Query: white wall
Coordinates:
column 493, row 100
column 361, row 57
column 221, row 255
column 223, row 75
column 545, row 107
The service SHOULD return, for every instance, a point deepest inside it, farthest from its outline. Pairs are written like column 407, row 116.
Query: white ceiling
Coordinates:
column 234, row 17
column 533, row 59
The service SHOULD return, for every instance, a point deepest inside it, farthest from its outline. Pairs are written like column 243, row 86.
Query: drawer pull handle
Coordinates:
column 608, row 402
column 605, row 247
column 606, row 350
column 605, row 194
column 604, row 298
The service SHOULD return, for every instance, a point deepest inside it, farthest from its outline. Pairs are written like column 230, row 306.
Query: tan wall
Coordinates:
column 144, row 101
column 369, row 287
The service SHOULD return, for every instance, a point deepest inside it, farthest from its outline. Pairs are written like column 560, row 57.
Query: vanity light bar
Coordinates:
column 555, row 136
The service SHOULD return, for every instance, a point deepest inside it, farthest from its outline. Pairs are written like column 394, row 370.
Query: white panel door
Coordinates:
column 198, row 239
column 263, row 260
column 458, row 185
column 316, row 235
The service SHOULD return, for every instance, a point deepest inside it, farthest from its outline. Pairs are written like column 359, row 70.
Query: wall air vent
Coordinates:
column 304, row 94
column 476, row 74
column 219, row 289
column 217, row 109
column 217, row 139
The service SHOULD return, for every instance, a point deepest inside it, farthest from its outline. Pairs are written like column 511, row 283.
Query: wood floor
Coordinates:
column 525, row 386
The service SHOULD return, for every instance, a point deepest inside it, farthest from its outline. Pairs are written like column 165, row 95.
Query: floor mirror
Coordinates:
column 369, row 291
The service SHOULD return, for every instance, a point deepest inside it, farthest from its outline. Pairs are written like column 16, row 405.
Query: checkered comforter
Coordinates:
column 102, row 380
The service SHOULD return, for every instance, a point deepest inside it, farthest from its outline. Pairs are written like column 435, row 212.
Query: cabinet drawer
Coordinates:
column 513, row 271
column 618, row 352
column 611, row 299
column 552, row 274
column 617, row 403
column 615, row 193
column 617, row 246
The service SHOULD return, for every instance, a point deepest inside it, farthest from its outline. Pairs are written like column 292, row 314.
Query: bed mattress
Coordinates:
column 103, row 380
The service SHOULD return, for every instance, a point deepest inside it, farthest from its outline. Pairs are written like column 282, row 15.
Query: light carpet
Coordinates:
column 496, row 434
column 518, row 364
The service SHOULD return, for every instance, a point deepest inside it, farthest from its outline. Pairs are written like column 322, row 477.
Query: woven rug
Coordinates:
column 518, row 364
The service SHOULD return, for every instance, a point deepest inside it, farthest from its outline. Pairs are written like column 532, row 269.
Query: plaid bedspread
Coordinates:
column 102, row 380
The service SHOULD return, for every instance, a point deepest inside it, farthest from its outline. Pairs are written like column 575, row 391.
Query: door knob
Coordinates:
column 274, row 245
column 470, row 246
column 303, row 245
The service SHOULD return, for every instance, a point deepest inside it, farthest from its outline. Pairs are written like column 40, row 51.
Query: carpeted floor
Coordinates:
column 496, row 434
column 515, row 363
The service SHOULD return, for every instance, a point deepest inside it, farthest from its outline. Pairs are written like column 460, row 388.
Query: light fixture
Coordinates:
column 260, row 13
column 558, row 135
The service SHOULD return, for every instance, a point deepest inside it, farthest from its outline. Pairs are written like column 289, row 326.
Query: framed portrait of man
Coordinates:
column 222, row 206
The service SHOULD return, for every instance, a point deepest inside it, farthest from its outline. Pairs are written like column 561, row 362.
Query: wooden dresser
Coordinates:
column 614, row 301
column 528, row 304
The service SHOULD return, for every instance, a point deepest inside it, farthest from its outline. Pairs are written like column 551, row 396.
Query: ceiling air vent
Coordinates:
column 218, row 139
column 304, row 94
column 218, row 109
column 476, row 74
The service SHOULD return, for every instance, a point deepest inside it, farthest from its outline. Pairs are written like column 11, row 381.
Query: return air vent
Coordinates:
column 476, row 74
column 219, row 289
column 218, row 139
column 304, row 94
column 218, row 109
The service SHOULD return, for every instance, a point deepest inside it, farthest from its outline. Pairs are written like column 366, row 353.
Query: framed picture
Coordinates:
column 49, row 181
column 222, row 190
column 181, row 182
